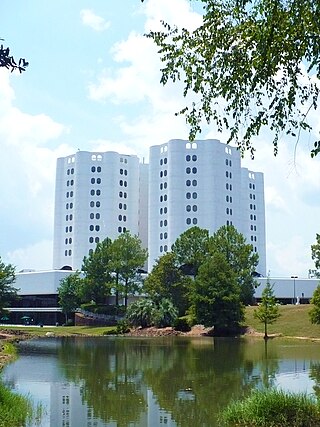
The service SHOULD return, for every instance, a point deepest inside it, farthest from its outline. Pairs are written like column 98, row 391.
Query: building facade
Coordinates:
column 185, row 184
column 203, row 184
column 97, row 196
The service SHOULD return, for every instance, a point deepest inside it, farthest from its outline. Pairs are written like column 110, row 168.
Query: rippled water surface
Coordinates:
column 119, row 382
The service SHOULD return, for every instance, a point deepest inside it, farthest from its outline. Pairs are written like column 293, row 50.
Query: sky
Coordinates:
column 94, row 84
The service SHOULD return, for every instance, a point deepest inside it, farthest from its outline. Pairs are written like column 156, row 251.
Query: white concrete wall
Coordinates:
column 97, row 196
column 202, row 183
column 40, row 282
column 287, row 287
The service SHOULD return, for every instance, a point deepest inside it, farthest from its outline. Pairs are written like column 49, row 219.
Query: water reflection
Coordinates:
column 119, row 382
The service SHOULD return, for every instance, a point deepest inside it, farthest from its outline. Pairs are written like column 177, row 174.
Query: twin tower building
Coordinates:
column 185, row 184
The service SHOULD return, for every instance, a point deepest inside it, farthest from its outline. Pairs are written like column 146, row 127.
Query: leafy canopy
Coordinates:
column 315, row 255
column 69, row 293
column 314, row 313
column 252, row 64
column 9, row 62
column 268, row 310
column 7, row 278
column 216, row 295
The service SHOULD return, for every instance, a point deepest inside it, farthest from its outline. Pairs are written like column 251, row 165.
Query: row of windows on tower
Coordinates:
column 163, row 235
column 96, row 169
column 163, row 210
column 94, row 180
column 163, row 161
column 123, row 183
column 97, row 204
column 163, row 248
column 122, row 229
column 70, row 171
column 228, row 174
column 163, row 173
column 194, row 182
column 71, row 182
column 95, row 192
column 123, row 172
column 253, row 238
column 69, row 194
column 193, row 220
column 163, row 186
column 193, row 158
column 123, row 194
column 194, row 170
column 228, row 162
column 193, row 195
column 69, row 205
column 163, row 198
column 252, row 186
column 69, row 217
column 228, row 186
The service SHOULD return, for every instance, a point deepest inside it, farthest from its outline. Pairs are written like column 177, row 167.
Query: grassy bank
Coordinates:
column 273, row 408
column 15, row 410
column 293, row 322
column 63, row 330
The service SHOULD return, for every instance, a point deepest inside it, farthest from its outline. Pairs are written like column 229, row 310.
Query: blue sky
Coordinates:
column 93, row 84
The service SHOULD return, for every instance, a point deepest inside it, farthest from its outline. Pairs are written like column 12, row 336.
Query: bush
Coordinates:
column 107, row 309
column 273, row 408
column 122, row 327
column 141, row 313
column 181, row 324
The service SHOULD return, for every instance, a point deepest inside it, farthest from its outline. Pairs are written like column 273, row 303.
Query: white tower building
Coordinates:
column 97, row 196
column 202, row 184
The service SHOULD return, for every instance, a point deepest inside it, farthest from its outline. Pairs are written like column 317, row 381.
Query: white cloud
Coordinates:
column 90, row 19
column 27, row 177
column 36, row 257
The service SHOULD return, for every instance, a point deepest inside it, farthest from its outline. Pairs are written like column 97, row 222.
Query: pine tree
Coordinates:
column 268, row 310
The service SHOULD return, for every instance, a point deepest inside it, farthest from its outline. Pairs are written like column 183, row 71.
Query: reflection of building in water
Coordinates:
column 68, row 409
column 157, row 417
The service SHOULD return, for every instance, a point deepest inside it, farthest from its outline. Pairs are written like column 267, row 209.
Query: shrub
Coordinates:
column 165, row 314
column 107, row 309
column 273, row 408
column 122, row 327
column 181, row 324
column 141, row 313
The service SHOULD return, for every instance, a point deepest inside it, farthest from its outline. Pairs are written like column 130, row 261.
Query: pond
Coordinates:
column 176, row 381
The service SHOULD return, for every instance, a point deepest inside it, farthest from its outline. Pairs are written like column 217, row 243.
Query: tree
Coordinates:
column 240, row 256
column 167, row 281
column 191, row 248
column 252, row 64
column 216, row 295
column 166, row 313
column 69, row 293
column 141, row 312
column 7, row 278
column 127, row 258
column 96, row 268
column 315, row 254
column 8, row 61
column 268, row 310
column 314, row 313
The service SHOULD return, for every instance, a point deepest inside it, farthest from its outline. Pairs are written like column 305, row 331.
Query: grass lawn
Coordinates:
column 293, row 322
column 65, row 330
